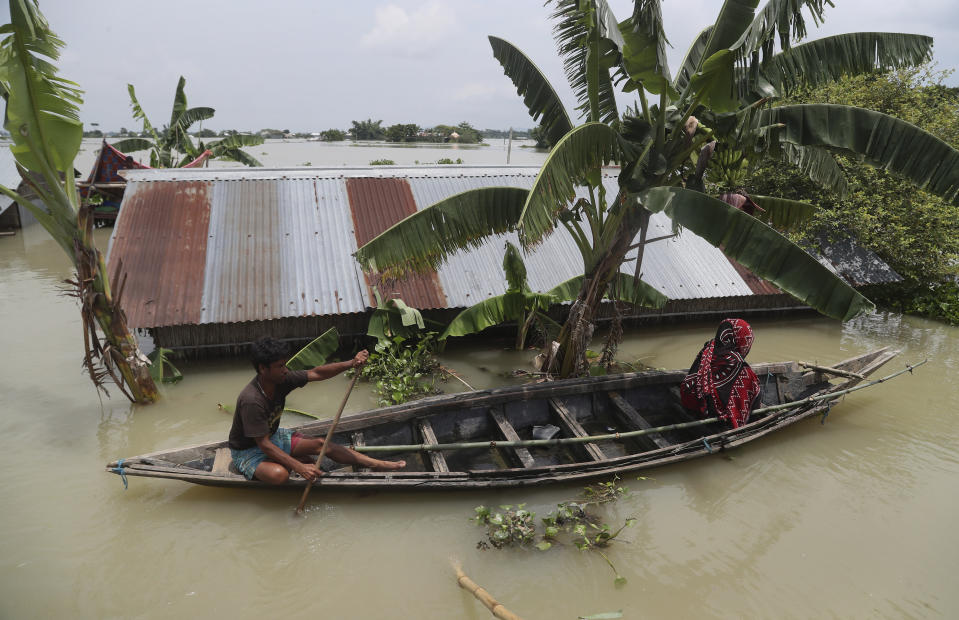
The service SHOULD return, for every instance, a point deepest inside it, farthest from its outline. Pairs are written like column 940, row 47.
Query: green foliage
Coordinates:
column 448, row 161
column 542, row 139
column 382, row 162
column 333, row 135
column 913, row 231
column 519, row 305
column 402, row 132
column 367, row 130
column 316, row 352
column 404, row 370
column 173, row 147
column 466, row 132
column 393, row 319
column 719, row 103
column 571, row 522
column 161, row 368
column 937, row 302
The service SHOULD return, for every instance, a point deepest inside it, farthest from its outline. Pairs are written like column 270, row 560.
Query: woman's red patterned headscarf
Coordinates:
column 720, row 379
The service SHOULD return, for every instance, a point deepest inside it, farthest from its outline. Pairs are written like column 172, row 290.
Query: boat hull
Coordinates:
column 504, row 419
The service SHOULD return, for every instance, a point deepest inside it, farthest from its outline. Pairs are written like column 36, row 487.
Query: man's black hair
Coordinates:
column 267, row 350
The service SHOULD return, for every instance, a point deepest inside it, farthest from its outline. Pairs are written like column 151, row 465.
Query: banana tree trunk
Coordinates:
column 121, row 356
column 578, row 328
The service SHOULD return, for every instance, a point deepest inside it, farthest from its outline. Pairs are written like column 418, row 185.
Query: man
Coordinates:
column 263, row 450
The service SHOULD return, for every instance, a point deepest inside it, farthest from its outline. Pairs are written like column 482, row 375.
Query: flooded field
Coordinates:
column 298, row 152
column 853, row 518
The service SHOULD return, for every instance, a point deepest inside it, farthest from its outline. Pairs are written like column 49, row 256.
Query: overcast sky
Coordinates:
column 312, row 65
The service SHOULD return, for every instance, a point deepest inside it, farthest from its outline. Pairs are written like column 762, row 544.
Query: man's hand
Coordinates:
column 361, row 358
column 308, row 471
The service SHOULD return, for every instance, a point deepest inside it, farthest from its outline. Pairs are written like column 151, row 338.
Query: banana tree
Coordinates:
column 719, row 106
column 519, row 304
column 42, row 118
column 524, row 307
column 172, row 147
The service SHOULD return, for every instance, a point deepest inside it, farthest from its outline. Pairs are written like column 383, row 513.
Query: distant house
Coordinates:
column 454, row 136
column 214, row 258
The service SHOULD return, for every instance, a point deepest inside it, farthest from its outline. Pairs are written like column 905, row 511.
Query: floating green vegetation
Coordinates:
column 404, row 370
column 382, row 162
column 571, row 522
column 447, row 160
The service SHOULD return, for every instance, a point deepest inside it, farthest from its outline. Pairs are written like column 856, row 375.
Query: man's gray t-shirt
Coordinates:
column 256, row 415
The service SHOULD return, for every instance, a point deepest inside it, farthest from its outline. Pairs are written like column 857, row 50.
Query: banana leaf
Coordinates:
column 496, row 311
column 644, row 49
column 317, row 352
column 588, row 54
column 760, row 248
column 393, row 320
column 691, row 61
column 623, row 287
column 882, row 140
column 423, row 240
column 538, row 94
column 579, row 156
column 782, row 213
column 160, row 363
column 830, row 58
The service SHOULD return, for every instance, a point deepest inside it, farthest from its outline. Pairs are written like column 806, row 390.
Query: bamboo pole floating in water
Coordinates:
column 326, row 442
column 529, row 443
column 496, row 608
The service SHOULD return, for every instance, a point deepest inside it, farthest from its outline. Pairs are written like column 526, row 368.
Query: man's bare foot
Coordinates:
column 388, row 465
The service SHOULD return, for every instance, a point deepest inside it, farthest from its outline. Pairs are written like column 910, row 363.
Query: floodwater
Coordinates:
column 298, row 152
column 854, row 518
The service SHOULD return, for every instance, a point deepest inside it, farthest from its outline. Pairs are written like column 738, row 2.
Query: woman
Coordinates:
column 720, row 382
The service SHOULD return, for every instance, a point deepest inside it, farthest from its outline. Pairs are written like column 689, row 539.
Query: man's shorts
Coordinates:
column 247, row 460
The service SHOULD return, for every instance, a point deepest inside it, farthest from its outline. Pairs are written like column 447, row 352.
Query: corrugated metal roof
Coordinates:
column 160, row 244
column 377, row 204
column 279, row 242
column 277, row 250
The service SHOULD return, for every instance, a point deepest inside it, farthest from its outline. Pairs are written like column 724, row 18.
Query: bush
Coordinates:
column 382, row 162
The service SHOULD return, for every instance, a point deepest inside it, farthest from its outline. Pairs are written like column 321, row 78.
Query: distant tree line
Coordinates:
column 369, row 129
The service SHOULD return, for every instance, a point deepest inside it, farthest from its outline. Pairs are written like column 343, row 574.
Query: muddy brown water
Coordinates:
column 854, row 518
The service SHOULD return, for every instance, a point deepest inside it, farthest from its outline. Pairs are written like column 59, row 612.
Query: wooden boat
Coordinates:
column 628, row 411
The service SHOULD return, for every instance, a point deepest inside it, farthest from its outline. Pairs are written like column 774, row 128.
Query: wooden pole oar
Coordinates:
column 326, row 442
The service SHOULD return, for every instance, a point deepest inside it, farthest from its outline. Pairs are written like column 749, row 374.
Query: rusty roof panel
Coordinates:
column 162, row 244
column 280, row 248
column 377, row 204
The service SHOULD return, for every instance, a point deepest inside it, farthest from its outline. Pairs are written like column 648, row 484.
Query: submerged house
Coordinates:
column 106, row 182
column 215, row 258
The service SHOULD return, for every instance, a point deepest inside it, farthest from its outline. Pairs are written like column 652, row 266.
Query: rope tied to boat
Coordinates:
column 822, row 420
column 123, row 474
column 709, row 448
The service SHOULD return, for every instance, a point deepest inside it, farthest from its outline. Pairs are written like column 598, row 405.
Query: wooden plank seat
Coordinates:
column 437, row 460
column 633, row 420
column 573, row 428
column 222, row 462
column 510, row 434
